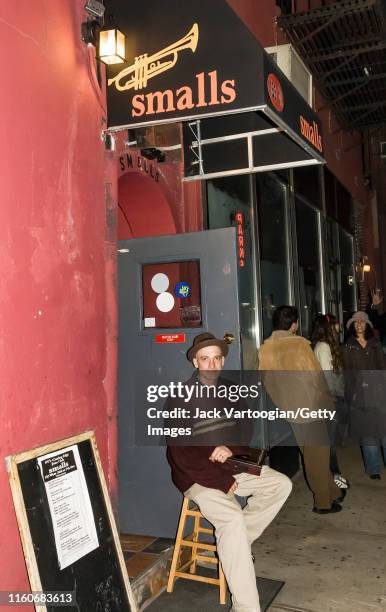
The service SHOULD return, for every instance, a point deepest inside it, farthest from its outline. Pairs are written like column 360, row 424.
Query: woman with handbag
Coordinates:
column 364, row 362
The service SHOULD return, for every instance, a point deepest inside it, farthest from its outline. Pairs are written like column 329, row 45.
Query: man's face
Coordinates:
column 210, row 362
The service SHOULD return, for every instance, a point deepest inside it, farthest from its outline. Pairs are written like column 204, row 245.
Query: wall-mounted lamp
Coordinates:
column 109, row 41
column 111, row 46
column 362, row 268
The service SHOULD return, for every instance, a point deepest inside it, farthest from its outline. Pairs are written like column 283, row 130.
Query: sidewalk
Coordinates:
column 330, row 563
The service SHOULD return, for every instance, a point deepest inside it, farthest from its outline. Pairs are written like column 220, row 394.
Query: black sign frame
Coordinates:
column 100, row 576
column 182, row 67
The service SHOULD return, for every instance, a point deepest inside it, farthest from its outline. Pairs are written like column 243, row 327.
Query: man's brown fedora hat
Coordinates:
column 204, row 340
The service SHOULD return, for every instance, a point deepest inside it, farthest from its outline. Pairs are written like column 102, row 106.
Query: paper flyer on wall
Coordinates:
column 69, row 503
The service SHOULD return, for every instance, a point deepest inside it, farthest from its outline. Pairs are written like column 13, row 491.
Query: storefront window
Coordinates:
column 347, row 273
column 273, row 243
column 308, row 245
column 307, row 182
column 339, row 202
column 333, row 278
column 229, row 204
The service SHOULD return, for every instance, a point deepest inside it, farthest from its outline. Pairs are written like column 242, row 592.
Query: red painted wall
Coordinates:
column 57, row 302
column 143, row 208
column 152, row 198
column 259, row 17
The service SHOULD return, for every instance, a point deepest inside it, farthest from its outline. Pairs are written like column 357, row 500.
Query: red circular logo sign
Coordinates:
column 275, row 92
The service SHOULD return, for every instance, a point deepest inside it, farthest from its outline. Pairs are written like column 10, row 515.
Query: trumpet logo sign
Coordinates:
column 207, row 90
column 146, row 67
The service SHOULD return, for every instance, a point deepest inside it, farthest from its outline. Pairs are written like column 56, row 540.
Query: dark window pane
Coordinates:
column 229, row 200
column 344, row 206
column 329, row 192
column 308, row 262
column 348, row 273
column 271, row 206
column 307, row 184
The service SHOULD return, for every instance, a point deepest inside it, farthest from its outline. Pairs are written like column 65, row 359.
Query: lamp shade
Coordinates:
column 111, row 46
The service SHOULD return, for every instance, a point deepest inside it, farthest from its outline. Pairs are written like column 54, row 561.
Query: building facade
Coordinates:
column 68, row 197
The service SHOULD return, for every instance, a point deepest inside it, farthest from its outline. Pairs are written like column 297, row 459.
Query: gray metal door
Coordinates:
column 148, row 501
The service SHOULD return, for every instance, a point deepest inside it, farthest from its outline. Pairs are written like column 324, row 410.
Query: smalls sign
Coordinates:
column 172, row 76
column 207, row 90
column 290, row 109
column 196, row 59
column 311, row 133
column 185, row 98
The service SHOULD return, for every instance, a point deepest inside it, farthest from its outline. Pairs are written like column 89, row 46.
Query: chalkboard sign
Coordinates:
column 67, row 527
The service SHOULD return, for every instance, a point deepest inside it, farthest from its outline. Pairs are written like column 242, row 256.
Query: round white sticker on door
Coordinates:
column 165, row 302
column 159, row 282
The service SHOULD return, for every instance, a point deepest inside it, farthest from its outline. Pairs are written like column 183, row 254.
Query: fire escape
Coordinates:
column 343, row 43
column 344, row 46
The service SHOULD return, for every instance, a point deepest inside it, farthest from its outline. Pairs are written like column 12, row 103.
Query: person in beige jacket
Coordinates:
column 294, row 379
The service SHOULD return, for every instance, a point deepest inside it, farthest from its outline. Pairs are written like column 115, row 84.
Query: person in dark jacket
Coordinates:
column 364, row 362
column 202, row 475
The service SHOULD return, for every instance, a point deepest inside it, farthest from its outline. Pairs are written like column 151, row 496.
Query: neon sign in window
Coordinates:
column 240, row 238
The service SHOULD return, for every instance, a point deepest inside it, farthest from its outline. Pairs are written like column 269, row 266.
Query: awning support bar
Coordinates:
column 205, row 141
column 195, row 128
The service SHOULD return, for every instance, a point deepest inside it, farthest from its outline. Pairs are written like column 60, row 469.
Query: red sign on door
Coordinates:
column 170, row 338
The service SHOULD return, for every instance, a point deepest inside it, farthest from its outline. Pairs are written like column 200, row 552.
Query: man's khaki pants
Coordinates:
column 237, row 528
column 314, row 444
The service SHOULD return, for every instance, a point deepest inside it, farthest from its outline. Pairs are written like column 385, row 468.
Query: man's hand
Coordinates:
column 376, row 298
column 233, row 488
column 220, row 454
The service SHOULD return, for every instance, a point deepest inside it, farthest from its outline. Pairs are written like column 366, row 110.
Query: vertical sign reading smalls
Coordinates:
column 69, row 503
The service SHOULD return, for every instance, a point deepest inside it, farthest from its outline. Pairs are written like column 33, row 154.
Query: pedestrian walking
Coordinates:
column 325, row 343
column 364, row 362
column 293, row 378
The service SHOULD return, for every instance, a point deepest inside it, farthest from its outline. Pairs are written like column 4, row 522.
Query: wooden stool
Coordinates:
column 192, row 541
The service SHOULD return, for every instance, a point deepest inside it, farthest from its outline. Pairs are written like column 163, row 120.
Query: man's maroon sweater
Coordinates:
column 191, row 464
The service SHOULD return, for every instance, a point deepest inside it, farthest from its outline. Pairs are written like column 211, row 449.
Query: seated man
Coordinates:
column 201, row 474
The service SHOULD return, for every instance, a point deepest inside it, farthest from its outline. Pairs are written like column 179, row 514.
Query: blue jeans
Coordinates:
column 372, row 456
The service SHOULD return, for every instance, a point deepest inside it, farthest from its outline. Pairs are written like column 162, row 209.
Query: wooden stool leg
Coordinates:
column 223, row 584
column 196, row 532
column 193, row 542
column 177, row 546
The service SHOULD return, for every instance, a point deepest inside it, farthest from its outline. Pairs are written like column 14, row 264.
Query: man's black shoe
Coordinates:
column 375, row 476
column 334, row 508
column 341, row 496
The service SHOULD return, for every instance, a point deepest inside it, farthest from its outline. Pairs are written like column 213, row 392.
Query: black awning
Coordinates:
column 196, row 62
column 241, row 144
